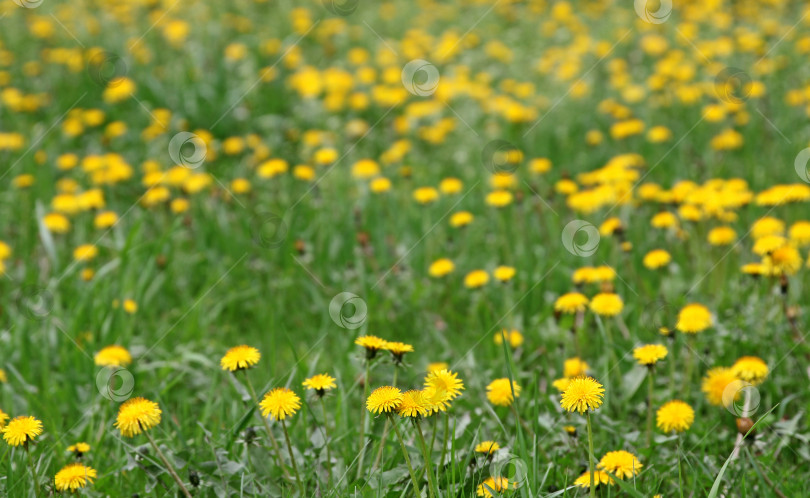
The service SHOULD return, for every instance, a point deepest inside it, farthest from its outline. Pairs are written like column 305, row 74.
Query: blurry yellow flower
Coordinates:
column 414, row 404
column 450, row 186
column 461, row 219
column 599, row 478
column 514, row 337
column 113, row 356
column 380, row 185
column 694, row 318
column 656, row 259
column 650, row 354
column 476, row 279
column 487, row 447
column 606, row 304
column 499, row 198
column 440, row 268
column 85, row 252
column 721, row 236
column 500, row 392
column 574, row 367
column 622, row 464
column 570, row 303
column 503, row 273
column 675, row 416
column 540, row 165
column 425, row 195
column 715, row 382
column 750, row 369
column 118, row 89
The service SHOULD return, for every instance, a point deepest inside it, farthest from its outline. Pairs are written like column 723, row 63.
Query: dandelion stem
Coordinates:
column 444, row 439
column 678, row 455
column 414, row 480
column 168, row 465
column 591, row 458
column 270, row 435
column 292, row 459
column 428, row 465
column 33, row 470
column 363, row 421
column 326, row 442
column 650, row 382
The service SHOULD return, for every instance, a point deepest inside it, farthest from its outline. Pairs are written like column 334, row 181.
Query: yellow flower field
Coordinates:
column 440, row 249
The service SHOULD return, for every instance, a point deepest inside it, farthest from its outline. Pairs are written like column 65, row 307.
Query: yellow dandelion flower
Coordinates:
column 384, row 399
column 574, row 367
column 487, row 447
column 561, row 384
column 437, row 365
column 503, row 273
column 675, row 416
column 440, row 268
column 20, row 430
column 240, row 358
column 79, row 448
column 622, row 464
column 320, row 383
column 750, row 369
column 281, row 403
column 113, row 356
column 607, row 304
column 414, row 404
column 570, row 303
column 513, row 337
column 650, row 354
column 398, row 350
column 3, row 418
column 599, row 478
column 476, row 279
column 74, row 476
column 492, row 485
column 694, row 318
column 715, row 383
column 582, row 394
column 371, row 343
column 137, row 415
column 499, row 392
column 656, row 258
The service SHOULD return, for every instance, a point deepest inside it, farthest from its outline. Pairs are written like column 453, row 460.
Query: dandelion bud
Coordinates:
column 744, row 424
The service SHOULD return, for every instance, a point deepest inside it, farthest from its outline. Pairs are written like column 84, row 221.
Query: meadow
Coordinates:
column 388, row 249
